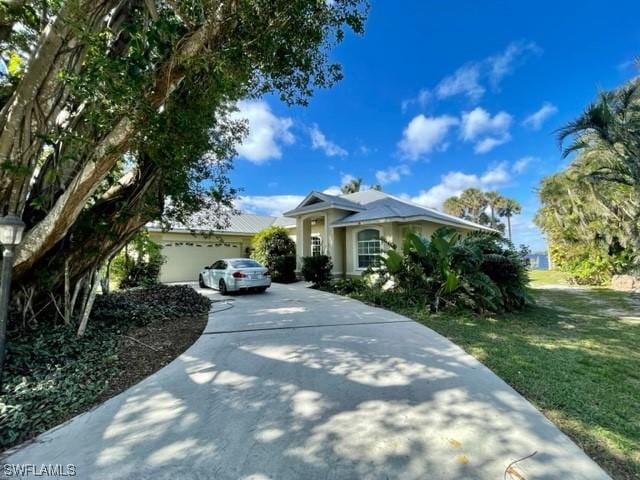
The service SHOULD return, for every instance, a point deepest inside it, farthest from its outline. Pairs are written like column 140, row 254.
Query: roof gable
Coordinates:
column 316, row 201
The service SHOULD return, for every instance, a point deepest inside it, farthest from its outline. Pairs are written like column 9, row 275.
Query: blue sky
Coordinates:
column 440, row 96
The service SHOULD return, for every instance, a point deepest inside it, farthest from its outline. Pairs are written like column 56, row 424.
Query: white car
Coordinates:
column 235, row 274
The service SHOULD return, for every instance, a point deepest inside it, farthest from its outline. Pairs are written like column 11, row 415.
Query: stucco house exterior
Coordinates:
column 352, row 229
column 355, row 227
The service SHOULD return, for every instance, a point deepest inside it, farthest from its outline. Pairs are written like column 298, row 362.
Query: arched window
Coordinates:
column 368, row 248
column 316, row 245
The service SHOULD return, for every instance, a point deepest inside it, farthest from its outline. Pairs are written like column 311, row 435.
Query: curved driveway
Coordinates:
column 301, row 384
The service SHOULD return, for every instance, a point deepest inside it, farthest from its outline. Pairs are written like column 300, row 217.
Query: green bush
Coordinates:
column 139, row 263
column 273, row 248
column 480, row 271
column 51, row 374
column 284, row 269
column 317, row 269
column 349, row 286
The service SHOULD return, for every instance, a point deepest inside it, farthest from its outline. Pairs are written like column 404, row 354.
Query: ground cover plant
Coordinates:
column 53, row 375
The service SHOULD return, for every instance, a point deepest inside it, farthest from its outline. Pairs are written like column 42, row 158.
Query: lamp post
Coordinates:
column 11, row 228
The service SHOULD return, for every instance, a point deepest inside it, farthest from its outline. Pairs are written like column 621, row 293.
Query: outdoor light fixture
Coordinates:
column 11, row 229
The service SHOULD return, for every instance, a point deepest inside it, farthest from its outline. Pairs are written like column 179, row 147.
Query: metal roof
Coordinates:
column 243, row 224
column 324, row 200
column 388, row 207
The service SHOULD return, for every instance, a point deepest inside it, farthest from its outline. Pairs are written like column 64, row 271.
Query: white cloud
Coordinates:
column 470, row 80
column 503, row 64
column 392, row 174
column 484, row 130
column 423, row 97
column 536, row 119
column 320, row 141
column 464, row 81
column 521, row 165
column 424, row 134
column 454, row 183
column 267, row 132
column 273, row 205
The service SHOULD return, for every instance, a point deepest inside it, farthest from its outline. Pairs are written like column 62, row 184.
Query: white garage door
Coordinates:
column 186, row 259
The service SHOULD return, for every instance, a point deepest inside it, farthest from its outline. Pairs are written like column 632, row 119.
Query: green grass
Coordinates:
column 548, row 277
column 575, row 356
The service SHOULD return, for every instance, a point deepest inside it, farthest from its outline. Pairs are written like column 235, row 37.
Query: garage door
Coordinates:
column 186, row 259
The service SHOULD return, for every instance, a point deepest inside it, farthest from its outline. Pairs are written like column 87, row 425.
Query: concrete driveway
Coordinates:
column 300, row 384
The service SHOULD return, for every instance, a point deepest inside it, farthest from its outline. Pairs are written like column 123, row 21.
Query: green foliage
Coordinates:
column 349, row 286
column 591, row 211
column 480, row 271
column 473, row 203
column 273, row 248
column 317, row 269
column 138, row 263
column 50, row 374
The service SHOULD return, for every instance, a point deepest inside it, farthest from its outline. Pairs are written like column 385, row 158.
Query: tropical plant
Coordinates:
column 352, row 186
column 508, row 207
column 138, row 263
column 274, row 248
column 494, row 202
column 579, row 226
column 480, row 271
column 317, row 269
column 591, row 211
column 472, row 205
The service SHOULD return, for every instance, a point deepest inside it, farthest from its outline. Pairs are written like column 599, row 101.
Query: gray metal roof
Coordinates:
column 243, row 224
column 388, row 207
column 324, row 200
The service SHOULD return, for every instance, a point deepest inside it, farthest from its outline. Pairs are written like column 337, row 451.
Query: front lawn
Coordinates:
column 574, row 355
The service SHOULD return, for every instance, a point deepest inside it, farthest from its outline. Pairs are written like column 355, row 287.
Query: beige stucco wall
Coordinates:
column 392, row 232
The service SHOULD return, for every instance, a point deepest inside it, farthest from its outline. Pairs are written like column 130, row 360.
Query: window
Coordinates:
column 245, row 263
column 316, row 246
column 368, row 248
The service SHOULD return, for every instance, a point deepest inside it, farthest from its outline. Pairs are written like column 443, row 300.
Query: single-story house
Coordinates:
column 352, row 229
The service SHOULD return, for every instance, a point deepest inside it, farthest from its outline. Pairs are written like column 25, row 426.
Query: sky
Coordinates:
column 439, row 96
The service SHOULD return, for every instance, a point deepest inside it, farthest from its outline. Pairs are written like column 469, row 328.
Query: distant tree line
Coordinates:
column 484, row 208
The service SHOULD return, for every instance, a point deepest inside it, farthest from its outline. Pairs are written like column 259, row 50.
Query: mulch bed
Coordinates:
column 145, row 350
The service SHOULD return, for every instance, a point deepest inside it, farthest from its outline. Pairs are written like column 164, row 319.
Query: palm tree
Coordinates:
column 352, row 186
column 474, row 202
column 508, row 208
column 610, row 129
column 494, row 199
column 453, row 206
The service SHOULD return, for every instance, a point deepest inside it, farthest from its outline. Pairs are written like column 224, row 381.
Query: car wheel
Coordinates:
column 222, row 287
column 201, row 282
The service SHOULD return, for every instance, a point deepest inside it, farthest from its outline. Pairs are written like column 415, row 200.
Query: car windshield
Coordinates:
column 246, row 263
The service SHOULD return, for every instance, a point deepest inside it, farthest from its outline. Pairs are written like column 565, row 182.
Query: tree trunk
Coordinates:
column 509, row 224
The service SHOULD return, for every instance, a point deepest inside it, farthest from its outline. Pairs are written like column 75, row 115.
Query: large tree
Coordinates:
column 591, row 211
column 112, row 106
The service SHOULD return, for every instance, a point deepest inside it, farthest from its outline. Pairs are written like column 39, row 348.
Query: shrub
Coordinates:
column 349, row 286
column 275, row 250
column 139, row 263
column 317, row 269
column 481, row 271
column 284, row 269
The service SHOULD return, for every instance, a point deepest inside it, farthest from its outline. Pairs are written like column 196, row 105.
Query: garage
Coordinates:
column 188, row 248
column 185, row 259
